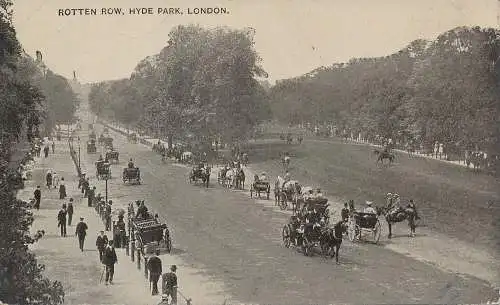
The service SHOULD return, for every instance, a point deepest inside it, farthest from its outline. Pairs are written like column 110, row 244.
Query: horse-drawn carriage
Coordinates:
column 108, row 143
column 91, row 148
column 259, row 186
column 132, row 138
column 360, row 223
column 149, row 230
column 317, row 207
column 112, row 155
column 200, row 173
column 103, row 170
column 131, row 175
column 305, row 233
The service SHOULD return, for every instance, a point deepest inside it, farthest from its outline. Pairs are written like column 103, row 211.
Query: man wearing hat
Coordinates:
column 345, row 212
column 108, row 215
column 81, row 182
column 70, row 211
column 109, row 260
column 61, row 220
column 155, row 270
column 38, row 197
column 169, row 285
column 101, row 243
column 81, row 232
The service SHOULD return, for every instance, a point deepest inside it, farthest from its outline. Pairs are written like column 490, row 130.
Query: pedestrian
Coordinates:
column 48, row 179
column 109, row 260
column 53, row 147
column 86, row 187
column 38, row 197
column 55, row 179
column 62, row 189
column 154, row 267
column 81, row 232
column 46, row 151
column 90, row 196
column 81, row 181
column 70, row 211
column 107, row 215
column 101, row 243
column 169, row 285
column 61, row 220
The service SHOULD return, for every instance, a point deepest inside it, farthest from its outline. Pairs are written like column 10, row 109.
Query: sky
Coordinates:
column 292, row 37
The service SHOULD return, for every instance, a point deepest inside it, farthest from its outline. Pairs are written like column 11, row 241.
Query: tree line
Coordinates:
column 31, row 98
column 445, row 90
column 202, row 84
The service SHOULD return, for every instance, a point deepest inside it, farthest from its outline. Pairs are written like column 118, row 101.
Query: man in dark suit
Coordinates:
column 109, row 260
column 107, row 215
column 61, row 220
column 154, row 267
column 91, row 195
column 38, row 197
column 169, row 285
column 81, row 232
column 70, row 211
column 101, row 243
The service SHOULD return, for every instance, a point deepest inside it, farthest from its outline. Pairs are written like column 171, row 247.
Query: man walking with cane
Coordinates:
column 154, row 267
column 81, row 232
column 169, row 285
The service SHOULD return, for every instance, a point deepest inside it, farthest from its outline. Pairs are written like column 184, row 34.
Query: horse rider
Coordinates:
column 396, row 203
column 286, row 179
column 345, row 212
column 130, row 163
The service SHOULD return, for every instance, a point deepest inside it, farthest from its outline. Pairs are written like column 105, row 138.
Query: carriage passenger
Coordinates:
column 369, row 209
column 318, row 194
column 142, row 211
column 100, row 158
column 345, row 212
column 130, row 163
column 263, row 177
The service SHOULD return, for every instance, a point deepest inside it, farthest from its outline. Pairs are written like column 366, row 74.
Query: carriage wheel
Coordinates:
column 377, row 231
column 286, row 236
column 282, row 202
column 268, row 193
column 351, row 231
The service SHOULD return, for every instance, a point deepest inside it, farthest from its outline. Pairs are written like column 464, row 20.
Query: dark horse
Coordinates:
column 200, row 173
column 239, row 179
column 331, row 239
column 384, row 155
column 395, row 215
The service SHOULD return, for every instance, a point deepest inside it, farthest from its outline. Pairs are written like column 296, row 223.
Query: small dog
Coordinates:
column 39, row 234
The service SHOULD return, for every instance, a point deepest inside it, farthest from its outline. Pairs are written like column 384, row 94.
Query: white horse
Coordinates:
column 186, row 156
column 231, row 178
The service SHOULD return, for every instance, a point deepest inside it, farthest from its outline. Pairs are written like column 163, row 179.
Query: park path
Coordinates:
column 80, row 272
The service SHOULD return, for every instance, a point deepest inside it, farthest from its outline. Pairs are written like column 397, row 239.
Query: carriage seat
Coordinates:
column 365, row 220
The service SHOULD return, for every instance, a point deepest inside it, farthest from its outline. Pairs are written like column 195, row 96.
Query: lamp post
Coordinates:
column 79, row 153
column 106, row 189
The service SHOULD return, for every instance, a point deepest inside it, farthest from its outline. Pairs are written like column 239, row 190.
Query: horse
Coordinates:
column 239, row 180
column 394, row 215
column 230, row 178
column 186, row 156
column 286, row 162
column 331, row 240
column 384, row 155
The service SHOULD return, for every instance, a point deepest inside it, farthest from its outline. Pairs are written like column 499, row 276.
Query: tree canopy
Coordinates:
column 203, row 82
column 443, row 90
column 21, row 102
